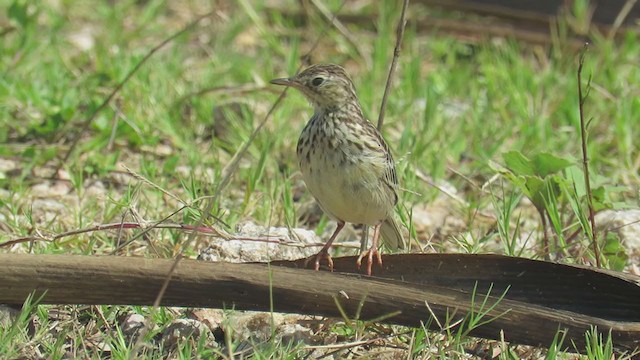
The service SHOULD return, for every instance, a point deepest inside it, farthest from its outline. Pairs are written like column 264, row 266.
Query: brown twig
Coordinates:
column 203, row 230
column 585, row 158
column 85, row 125
column 396, row 54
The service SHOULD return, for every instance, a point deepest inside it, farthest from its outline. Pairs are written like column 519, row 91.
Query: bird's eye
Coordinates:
column 317, row 81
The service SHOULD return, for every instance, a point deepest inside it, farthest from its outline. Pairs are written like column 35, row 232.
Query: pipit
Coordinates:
column 345, row 162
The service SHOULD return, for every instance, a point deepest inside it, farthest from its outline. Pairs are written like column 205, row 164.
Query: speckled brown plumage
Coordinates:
column 345, row 162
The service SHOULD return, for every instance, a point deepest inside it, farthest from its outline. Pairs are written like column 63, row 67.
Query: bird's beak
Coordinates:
column 283, row 82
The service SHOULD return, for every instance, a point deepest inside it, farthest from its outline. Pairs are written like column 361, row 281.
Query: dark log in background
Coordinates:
column 605, row 12
column 534, row 22
column 541, row 298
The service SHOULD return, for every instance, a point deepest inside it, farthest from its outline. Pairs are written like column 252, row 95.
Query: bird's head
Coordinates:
column 324, row 85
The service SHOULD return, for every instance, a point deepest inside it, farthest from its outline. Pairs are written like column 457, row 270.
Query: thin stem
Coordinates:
column 585, row 159
column 396, row 54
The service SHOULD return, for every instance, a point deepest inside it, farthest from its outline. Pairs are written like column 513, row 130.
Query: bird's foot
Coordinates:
column 369, row 254
column 323, row 254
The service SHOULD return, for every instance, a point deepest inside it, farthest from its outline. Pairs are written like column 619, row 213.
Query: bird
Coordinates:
column 345, row 162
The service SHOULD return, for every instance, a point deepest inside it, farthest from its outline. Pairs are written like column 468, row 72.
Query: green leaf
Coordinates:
column 576, row 176
column 614, row 252
column 542, row 164
column 535, row 188
column 600, row 198
column 518, row 163
column 541, row 189
column 545, row 164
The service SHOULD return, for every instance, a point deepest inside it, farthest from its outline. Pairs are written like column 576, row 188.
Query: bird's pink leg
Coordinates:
column 373, row 250
column 324, row 252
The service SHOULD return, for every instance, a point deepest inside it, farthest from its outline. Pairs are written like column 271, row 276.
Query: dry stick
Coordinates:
column 585, row 159
column 394, row 61
column 70, row 279
column 147, row 229
column 117, row 89
column 205, row 230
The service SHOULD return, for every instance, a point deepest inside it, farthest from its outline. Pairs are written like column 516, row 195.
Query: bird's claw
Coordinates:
column 369, row 255
column 318, row 258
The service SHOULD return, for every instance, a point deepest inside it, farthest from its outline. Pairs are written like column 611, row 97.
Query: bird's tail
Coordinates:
column 391, row 234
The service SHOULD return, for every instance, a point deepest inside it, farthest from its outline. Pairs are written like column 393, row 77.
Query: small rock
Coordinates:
column 248, row 249
column 438, row 217
column 51, row 189
column 83, row 39
column 386, row 353
column 5, row 194
column 212, row 318
column 182, row 329
column 296, row 333
column 7, row 165
column 64, row 175
column 626, row 223
column 158, row 150
column 454, row 108
column 256, row 326
column 8, row 314
column 120, row 177
column 183, row 170
column 45, row 210
column 43, row 172
column 132, row 325
column 95, row 190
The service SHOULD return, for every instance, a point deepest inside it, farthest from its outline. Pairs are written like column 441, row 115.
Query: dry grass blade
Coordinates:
column 396, row 54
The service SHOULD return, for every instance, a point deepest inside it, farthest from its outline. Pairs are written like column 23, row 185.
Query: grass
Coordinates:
column 454, row 108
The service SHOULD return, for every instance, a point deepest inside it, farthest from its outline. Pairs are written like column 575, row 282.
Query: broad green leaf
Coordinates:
column 542, row 164
column 545, row 164
column 518, row 163
column 574, row 174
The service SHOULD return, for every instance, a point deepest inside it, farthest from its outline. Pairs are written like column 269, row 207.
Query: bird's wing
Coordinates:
column 389, row 176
